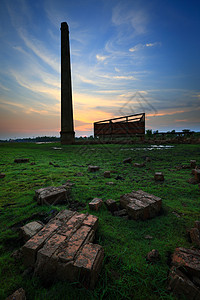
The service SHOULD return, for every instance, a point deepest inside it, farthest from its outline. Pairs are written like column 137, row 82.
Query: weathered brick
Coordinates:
column 195, row 236
column 91, row 221
column 89, row 261
column 141, row 205
column 51, row 195
column 197, row 175
column 2, row 175
column 30, row 229
column 17, row 295
column 111, row 205
column 36, row 242
column 106, row 174
column 158, row 176
column 93, row 168
column 182, row 286
column 21, row 160
column 193, row 164
column 95, row 204
column 127, row 160
column 188, row 260
column 69, row 249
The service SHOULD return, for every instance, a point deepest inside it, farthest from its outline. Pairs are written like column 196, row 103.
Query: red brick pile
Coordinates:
column 63, row 249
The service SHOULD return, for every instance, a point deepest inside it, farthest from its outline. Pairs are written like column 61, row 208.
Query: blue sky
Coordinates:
column 127, row 57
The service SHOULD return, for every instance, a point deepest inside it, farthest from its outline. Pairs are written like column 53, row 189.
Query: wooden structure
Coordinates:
column 133, row 125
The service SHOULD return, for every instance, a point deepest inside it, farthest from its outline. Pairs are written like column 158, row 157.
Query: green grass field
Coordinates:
column 126, row 273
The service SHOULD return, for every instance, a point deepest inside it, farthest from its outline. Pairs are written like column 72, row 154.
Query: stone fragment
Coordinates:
column 2, row 175
column 52, row 195
column 185, row 167
column 195, row 236
column 110, row 183
column 158, row 176
column 193, row 164
column 21, row 160
column 197, row 225
column 17, row 295
column 95, row 204
column 187, row 260
column 93, row 168
column 148, row 237
column 120, row 213
column 192, row 180
column 30, row 229
column 79, row 174
column 148, row 159
column 111, row 205
column 197, row 175
column 139, row 165
column 182, row 286
column 127, row 160
column 141, row 205
column 153, row 256
column 106, row 174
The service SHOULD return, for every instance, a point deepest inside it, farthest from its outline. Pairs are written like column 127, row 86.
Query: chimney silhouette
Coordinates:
column 67, row 124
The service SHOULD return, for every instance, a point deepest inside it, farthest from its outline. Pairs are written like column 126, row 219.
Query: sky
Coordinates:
column 127, row 57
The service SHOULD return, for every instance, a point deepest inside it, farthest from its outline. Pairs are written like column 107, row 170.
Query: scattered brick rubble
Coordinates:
column 127, row 160
column 17, row 295
column 52, row 195
column 139, row 165
column 153, row 256
column 111, row 205
column 95, row 204
column 141, row 205
column 184, row 276
column 106, row 174
column 195, row 234
column 196, row 178
column 158, row 176
column 193, row 164
column 93, row 168
column 63, row 249
column 21, row 160
column 2, row 175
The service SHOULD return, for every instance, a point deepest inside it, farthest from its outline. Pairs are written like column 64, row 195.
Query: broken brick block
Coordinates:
column 89, row 261
column 195, row 236
column 17, row 295
column 158, row 176
column 30, row 229
column 2, row 175
column 197, row 175
column 111, row 205
column 52, row 195
column 182, row 286
column 21, row 160
column 141, row 205
column 127, row 160
column 106, row 174
column 120, row 213
column 187, row 260
column 93, row 168
column 139, row 165
column 63, row 249
column 193, row 164
column 95, row 204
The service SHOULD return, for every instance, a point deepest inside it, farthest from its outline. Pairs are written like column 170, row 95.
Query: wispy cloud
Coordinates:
column 40, row 50
column 100, row 57
column 142, row 46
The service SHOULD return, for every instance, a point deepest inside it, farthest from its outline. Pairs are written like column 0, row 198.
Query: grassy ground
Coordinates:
column 125, row 274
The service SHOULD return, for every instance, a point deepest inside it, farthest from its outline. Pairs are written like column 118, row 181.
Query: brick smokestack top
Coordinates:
column 67, row 124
